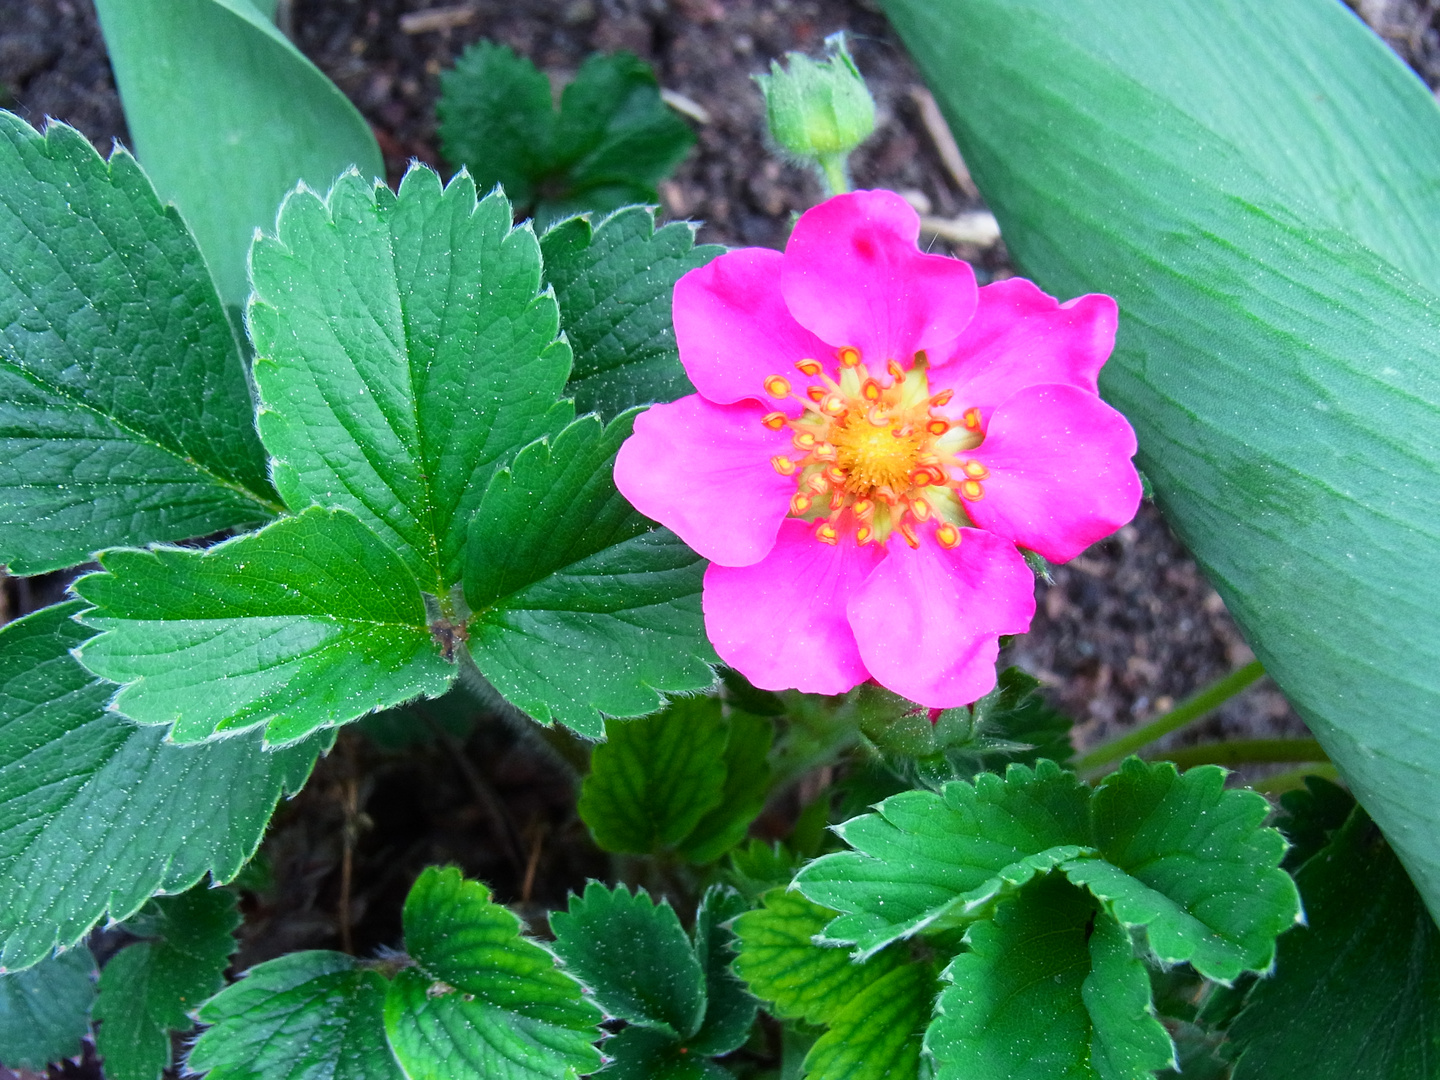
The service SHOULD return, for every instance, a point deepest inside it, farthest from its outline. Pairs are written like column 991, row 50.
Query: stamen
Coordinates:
column 877, row 416
column 818, row 484
column 825, row 451
column 921, row 509
column 827, row 534
column 774, row 421
column 777, row 386
column 896, row 371
column 870, row 390
column 837, row 500
column 850, row 357
column 948, row 536
column 972, row 490
column 834, row 405
column 809, row 367
column 864, row 534
column 972, row 419
column 799, row 503
column 804, row 440
column 974, row 470
column 937, row 427
column 816, row 393
column 863, row 507
column 783, row 465
column 835, row 475
column 942, row 398
column 908, row 532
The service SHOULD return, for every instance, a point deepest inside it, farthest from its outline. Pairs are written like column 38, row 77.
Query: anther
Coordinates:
column 937, row 426
column 774, row 421
column 804, row 440
column 863, row 507
column 783, row 465
column 799, row 503
column 816, row 393
column 817, row 483
column 777, row 386
column 972, row 490
column 896, row 371
column 834, row 405
column 908, row 532
column 837, row 500
column 850, row 357
column 877, row 416
column 863, row 535
column 948, row 535
column 827, row 534
column 870, row 390
column 921, row 509
column 825, row 451
column 835, row 475
column 972, row 419
column 974, row 470
column 943, row 397
column 809, row 367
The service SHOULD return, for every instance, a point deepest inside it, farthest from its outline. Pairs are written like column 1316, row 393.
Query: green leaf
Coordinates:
column 747, row 786
column 612, row 142
column 634, row 956
column 729, row 1007
column 614, row 284
column 642, row 1053
column 1356, row 992
column 308, row 623
column 802, row 978
column 45, row 1011
column 581, row 606
column 654, row 779
column 96, row 814
column 1016, row 712
column 124, row 412
column 1191, row 863
column 482, row 1001
column 149, row 989
column 928, row 860
column 877, row 1034
column 1050, row 990
column 1266, row 232
column 306, row 1016
column 1310, row 816
column 403, row 353
column 227, row 115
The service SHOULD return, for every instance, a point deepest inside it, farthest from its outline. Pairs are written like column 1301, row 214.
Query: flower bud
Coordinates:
column 818, row 109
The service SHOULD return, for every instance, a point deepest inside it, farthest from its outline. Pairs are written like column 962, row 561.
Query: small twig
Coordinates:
column 977, row 227
column 686, row 106
column 349, row 834
column 944, row 140
column 432, row 19
column 537, row 830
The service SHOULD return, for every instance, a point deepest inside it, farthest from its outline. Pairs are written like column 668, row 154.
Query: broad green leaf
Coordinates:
column 1191, row 863
column 1264, row 227
column 581, row 606
column 1356, row 991
column 97, row 814
column 45, row 1010
column 306, row 1016
column 925, row 859
column 642, row 1053
column 729, row 1007
column 612, row 142
column 151, row 988
column 653, row 779
column 403, row 353
column 758, row 867
column 747, row 786
column 614, row 283
column 802, row 978
column 482, row 1001
column 308, row 623
column 877, row 1034
column 124, row 412
column 634, row 956
column 1050, row 989
column 227, row 116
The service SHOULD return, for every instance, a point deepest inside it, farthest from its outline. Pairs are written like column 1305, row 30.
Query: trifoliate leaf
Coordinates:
column 308, row 623
column 802, row 980
column 306, row 1016
column 614, row 282
column 97, row 814
column 612, row 142
column 926, row 859
column 403, row 353
column 878, row 1034
column 759, row 867
column 653, row 779
column 1191, row 863
column 45, row 1010
column 581, row 606
column 1049, row 990
column 124, row 412
column 747, row 785
column 149, row 989
column 1356, row 991
column 642, row 1053
column 634, row 956
column 482, row 1001
column 729, row 1007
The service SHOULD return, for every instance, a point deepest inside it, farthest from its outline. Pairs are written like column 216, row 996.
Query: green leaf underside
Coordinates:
column 1266, row 236
column 483, row 1001
column 124, row 412
column 729, row 1007
column 149, row 989
column 308, row 623
column 1356, row 992
column 611, row 142
column 581, row 605
column 45, row 1011
column 634, row 956
column 877, row 1034
column 1177, row 855
column 653, row 779
column 642, row 1053
column 614, row 283
column 1050, row 990
column 97, row 814
column 306, row 1016
column 801, row 979
column 747, row 786
column 403, row 353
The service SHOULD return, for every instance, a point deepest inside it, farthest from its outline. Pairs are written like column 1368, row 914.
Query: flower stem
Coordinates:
column 1295, row 778
column 837, row 176
column 1245, row 750
column 1187, row 712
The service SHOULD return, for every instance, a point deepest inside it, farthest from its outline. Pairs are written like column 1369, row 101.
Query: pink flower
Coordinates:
column 872, row 438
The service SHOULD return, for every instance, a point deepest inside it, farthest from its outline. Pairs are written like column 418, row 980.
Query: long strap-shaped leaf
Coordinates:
column 1264, row 207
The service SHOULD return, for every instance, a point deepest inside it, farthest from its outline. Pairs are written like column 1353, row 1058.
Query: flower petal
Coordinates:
column 734, row 329
column 704, row 471
column 854, row 276
column 928, row 619
column 781, row 622
column 1060, row 471
column 1020, row 337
